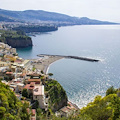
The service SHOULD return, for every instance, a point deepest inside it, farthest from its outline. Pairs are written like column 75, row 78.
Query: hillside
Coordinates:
column 6, row 19
column 49, row 17
column 56, row 93
column 10, row 107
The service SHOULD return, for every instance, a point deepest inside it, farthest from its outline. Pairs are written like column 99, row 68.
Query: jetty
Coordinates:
column 71, row 57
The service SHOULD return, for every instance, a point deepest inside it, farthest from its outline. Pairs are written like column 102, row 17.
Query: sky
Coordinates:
column 106, row 10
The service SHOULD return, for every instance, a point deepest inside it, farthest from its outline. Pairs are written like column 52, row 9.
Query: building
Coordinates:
column 38, row 94
column 10, row 57
column 3, row 64
column 68, row 110
column 13, row 86
column 13, row 50
column 37, row 81
column 30, row 87
column 19, row 87
column 26, row 63
column 65, row 111
column 3, row 69
column 2, row 45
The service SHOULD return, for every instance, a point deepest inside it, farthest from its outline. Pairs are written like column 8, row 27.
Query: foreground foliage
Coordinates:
column 106, row 108
column 102, row 108
column 10, row 107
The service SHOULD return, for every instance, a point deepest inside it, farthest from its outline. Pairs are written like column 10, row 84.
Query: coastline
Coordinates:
column 44, row 63
column 45, row 60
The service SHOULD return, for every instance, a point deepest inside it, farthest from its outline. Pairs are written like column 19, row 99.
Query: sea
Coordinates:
column 82, row 80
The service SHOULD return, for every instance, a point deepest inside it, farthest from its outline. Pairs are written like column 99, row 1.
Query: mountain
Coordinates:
column 49, row 17
column 6, row 19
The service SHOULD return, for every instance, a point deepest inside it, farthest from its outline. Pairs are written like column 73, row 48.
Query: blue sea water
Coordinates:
column 82, row 80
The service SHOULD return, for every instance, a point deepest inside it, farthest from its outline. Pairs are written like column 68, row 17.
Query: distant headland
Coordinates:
column 45, row 17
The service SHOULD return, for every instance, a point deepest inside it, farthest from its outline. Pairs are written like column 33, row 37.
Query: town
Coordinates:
column 30, row 83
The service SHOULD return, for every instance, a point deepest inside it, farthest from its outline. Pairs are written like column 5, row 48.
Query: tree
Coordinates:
column 33, row 69
column 25, row 93
column 42, row 72
column 115, row 103
column 2, row 111
column 20, row 32
column 50, row 74
column 10, row 107
column 24, row 114
column 111, row 90
column 99, row 109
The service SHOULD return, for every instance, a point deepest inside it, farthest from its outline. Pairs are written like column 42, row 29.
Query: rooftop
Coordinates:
column 20, row 84
column 34, row 80
column 38, row 90
column 34, row 74
column 9, row 72
column 72, row 106
column 28, row 87
column 25, row 61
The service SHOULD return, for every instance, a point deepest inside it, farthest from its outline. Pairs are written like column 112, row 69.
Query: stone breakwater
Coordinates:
column 72, row 57
column 45, row 60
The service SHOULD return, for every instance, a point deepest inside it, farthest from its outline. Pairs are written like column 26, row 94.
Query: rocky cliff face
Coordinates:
column 16, row 39
column 19, row 42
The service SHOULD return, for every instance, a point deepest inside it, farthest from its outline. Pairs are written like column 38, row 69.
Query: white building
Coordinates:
column 19, row 87
column 38, row 94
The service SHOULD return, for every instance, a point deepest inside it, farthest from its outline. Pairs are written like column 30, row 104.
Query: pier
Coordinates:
column 71, row 57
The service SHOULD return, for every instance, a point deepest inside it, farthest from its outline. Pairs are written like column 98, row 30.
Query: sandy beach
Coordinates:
column 44, row 62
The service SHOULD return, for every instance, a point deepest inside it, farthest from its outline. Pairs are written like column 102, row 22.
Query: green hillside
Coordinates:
column 10, row 107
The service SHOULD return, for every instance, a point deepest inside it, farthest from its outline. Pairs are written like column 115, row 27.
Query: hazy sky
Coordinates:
column 96, row 9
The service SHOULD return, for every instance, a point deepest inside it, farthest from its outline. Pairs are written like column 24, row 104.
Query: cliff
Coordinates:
column 19, row 42
column 15, row 39
column 56, row 94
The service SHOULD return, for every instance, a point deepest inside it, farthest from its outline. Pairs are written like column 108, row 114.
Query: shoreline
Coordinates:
column 44, row 63
column 46, row 72
column 45, row 60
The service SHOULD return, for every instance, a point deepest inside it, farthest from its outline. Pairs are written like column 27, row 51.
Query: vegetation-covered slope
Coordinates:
column 36, row 28
column 6, row 19
column 15, row 39
column 10, row 107
column 106, row 108
column 56, row 94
